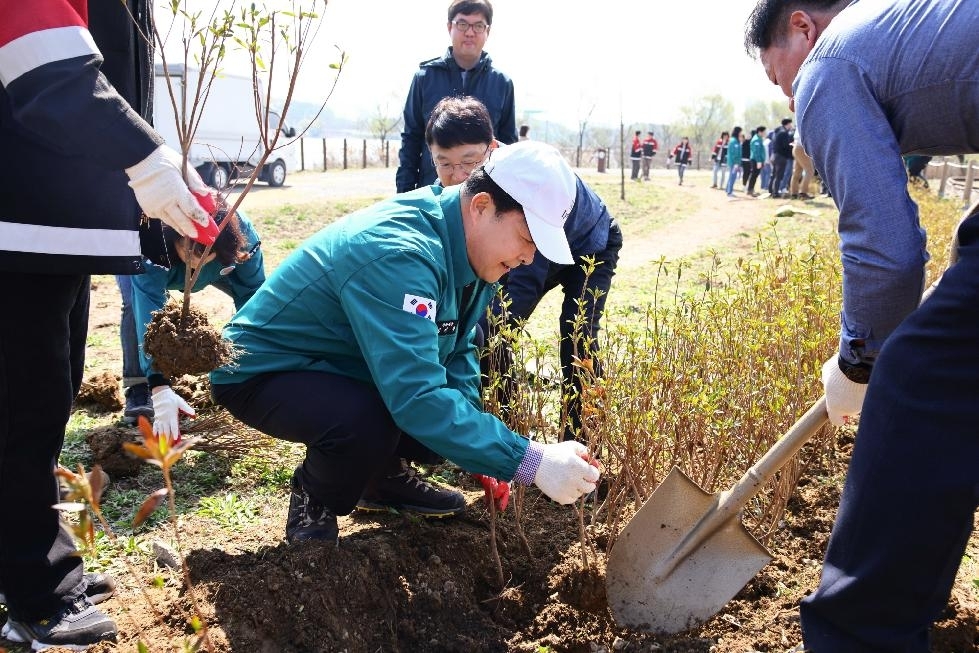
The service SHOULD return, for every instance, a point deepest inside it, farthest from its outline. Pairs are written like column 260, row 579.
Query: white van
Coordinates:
column 227, row 145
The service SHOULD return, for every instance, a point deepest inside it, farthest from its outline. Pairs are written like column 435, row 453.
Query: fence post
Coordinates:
column 363, row 155
column 324, row 155
column 302, row 155
column 941, row 186
column 387, row 154
column 967, row 191
column 345, row 154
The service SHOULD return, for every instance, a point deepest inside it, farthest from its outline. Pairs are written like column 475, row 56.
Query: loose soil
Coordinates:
column 399, row 584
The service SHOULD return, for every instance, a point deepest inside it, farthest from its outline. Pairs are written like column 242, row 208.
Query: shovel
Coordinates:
column 685, row 554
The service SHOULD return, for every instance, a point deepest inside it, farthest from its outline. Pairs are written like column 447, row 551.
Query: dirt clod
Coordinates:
column 100, row 392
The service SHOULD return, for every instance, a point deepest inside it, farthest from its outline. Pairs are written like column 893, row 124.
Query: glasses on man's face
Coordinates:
column 463, row 26
column 464, row 166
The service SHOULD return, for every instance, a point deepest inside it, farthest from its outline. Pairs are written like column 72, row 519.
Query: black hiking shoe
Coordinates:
column 138, row 403
column 75, row 627
column 404, row 490
column 308, row 520
column 99, row 587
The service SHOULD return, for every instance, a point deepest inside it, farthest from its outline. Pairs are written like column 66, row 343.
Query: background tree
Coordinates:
column 769, row 114
column 384, row 120
column 703, row 121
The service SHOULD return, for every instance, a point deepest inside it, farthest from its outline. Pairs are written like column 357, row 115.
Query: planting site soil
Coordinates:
column 397, row 583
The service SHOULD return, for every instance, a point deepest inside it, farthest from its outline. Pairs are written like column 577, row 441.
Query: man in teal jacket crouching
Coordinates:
column 360, row 345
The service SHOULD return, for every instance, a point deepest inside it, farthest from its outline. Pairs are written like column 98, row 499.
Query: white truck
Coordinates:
column 227, row 144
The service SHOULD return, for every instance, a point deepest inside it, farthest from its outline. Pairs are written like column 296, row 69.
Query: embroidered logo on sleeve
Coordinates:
column 420, row 306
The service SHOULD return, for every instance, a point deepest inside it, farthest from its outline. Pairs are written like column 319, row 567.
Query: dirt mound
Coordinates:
column 101, row 393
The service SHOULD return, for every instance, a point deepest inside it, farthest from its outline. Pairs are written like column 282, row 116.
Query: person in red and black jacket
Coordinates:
column 649, row 148
column 80, row 165
column 635, row 155
column 682, row 156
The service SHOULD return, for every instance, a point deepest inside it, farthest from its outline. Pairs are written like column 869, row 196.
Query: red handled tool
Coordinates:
column 497, row 492
column 207, row 235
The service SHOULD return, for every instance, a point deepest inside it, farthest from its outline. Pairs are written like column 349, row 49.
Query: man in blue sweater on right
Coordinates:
column 870, row 81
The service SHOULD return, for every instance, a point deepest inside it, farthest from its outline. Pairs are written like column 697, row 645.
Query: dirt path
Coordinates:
column 716, row 221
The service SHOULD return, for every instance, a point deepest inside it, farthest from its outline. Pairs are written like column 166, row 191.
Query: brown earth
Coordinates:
column 396, row 583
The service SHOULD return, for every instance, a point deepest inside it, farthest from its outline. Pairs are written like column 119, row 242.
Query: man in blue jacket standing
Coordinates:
column 906, row 72
column 361, row 345
column 463, row 70
column 75, row 85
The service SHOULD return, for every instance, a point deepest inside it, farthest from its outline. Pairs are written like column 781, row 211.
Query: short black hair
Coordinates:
column 736, row 132
column 767, row 23
column 484, row 7
column 480, row 182
column 459, row 120
column 786, row 121
column 761, row 128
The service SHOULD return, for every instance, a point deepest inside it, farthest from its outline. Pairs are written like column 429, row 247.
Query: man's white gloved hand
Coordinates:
column 564, row 473
column 844, row 398
column 162, row 192
column 167, row 406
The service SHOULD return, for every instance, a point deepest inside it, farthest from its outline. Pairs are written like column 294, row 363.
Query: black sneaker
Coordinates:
column 406, row 491
column 99, row 588
column 307, row 519
column 75, row 627
column 138, row 403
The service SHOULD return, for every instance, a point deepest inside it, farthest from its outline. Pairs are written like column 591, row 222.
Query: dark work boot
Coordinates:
column 308, row 520
column 404, row 490
column 138, row 403
column 75, row 627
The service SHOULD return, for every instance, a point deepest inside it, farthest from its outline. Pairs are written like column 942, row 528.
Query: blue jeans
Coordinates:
column 732, row 177
column 132, row 372
column 912, row 489
column 719, row 168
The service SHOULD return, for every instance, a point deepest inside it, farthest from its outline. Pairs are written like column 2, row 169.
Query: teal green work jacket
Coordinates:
column 377, row 297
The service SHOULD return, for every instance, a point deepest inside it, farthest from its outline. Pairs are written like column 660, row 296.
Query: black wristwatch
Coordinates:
column 856, row 372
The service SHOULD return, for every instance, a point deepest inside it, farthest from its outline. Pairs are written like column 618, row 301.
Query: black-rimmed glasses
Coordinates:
column 463, row 26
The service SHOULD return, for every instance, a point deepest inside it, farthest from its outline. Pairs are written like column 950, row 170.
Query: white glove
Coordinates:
column 162, row 193
column 167, row 406
column 844, row 398
column 564, row 473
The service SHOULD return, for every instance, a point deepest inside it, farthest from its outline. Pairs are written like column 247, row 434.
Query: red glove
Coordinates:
column 207, row 235
column 497, row 492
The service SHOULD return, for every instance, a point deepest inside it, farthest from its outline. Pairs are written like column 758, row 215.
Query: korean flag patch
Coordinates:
column 420, row 306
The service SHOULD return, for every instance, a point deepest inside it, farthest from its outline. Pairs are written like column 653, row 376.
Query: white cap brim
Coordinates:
column 550, row 240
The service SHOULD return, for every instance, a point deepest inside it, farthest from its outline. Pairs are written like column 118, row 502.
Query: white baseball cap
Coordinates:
column 541, row 181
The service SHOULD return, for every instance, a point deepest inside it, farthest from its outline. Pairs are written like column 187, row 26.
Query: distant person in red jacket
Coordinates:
column 635, row 155
column 649, row 149
column 682, row 156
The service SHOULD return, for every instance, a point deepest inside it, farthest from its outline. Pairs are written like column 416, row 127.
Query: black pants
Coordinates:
column 43, row 328
column 779, row 165
column 525, row 290
column 753, row 176
column 349, row 434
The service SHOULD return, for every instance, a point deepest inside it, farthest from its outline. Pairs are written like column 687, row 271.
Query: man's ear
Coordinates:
column 480, row 203
column 495, row 144
column 802, row 23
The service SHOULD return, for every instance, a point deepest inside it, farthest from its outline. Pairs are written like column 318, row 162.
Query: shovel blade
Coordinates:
column 649, row 591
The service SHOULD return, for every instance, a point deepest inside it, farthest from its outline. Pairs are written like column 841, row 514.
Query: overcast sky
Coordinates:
column 641, row 58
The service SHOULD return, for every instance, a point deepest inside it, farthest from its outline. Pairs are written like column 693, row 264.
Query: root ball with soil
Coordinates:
column 185, row 344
